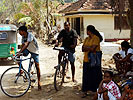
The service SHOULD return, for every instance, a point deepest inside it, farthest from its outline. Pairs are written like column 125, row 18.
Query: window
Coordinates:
column 3, row 36
column 67, row 19
column 124, row 24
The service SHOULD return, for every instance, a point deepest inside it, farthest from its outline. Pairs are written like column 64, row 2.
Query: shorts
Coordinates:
column 71, row 57
column 33, row 55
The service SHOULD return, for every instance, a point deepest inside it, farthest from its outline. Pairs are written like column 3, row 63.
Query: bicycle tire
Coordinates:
column 13, row 88
column 59, row 76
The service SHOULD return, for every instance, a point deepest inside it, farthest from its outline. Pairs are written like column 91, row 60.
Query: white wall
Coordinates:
column 105, row 24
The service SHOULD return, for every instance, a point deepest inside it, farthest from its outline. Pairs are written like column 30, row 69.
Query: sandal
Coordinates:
column 84, row 95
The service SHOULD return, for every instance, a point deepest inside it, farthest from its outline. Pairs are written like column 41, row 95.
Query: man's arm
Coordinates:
column 24, row 46
column 75, row 43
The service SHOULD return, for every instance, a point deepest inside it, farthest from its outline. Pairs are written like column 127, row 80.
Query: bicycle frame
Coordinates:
column 20, row 66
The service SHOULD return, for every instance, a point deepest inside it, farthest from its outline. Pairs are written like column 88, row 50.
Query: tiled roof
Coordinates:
column 61, row 7
column 87, row 5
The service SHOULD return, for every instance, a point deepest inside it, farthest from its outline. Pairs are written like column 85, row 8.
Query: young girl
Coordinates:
column 108, row 90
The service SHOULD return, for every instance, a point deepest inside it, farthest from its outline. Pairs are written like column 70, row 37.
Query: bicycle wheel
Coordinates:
column 15, row 84
column 59, row 76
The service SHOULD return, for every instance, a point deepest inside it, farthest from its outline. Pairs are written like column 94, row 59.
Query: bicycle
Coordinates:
column 16, row 81
column 60, row 69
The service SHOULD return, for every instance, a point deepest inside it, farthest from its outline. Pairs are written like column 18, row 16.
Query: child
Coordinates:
column 128, row 93
column 108, row 90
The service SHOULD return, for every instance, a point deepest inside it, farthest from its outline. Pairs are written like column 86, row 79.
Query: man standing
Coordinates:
column 29, row 45
column 68, row 37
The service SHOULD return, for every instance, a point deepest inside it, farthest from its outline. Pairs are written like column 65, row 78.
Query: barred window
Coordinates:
column 124, row 23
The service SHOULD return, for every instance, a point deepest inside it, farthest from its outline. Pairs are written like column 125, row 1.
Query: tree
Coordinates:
column 122, row 7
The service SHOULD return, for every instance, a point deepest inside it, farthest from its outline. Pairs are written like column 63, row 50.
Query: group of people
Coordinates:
column 93, row 79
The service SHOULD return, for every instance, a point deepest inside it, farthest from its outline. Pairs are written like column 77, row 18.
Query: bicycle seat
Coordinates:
column 59, row 48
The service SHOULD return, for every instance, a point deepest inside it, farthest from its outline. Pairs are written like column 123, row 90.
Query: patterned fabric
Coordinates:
column 113, row 89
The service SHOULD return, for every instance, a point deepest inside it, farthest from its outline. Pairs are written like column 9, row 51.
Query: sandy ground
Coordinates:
column 70, row 90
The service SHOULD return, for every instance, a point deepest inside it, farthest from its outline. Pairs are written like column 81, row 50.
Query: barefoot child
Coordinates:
column 108, row 90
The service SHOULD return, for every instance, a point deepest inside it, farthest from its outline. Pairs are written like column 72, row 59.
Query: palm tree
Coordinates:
column 122, row 6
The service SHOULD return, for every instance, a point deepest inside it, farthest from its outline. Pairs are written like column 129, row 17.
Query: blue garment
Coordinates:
column 33, row 55
column 95, row 58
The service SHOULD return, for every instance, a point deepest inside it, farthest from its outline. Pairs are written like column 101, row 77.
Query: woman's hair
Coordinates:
column 109, row 72
column 125, row 44
column 92, row 29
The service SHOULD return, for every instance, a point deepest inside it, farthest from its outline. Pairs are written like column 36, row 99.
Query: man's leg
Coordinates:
column 71, row 58
column 73, row 70
column 38, row 75
column 61, row 53
column 36, row 60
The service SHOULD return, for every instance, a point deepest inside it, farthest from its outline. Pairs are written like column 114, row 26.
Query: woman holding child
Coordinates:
column 92, row 74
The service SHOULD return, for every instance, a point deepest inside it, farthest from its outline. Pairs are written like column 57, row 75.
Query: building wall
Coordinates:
column 105, row 24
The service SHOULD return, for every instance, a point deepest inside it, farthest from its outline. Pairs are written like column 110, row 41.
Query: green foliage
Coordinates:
column 3, row 6
column 19, row 16
column 23, row 5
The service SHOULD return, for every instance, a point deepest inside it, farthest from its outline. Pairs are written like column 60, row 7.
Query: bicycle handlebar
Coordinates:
column 59, row 48
column 16, row 58
column 62, row 49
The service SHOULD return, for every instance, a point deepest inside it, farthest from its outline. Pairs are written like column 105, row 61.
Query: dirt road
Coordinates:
column 70, row 91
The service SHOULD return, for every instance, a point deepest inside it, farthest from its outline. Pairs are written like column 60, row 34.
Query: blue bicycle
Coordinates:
column 16, row 81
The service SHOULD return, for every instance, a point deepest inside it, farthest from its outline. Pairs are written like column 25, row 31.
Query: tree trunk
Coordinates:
column 131, row 21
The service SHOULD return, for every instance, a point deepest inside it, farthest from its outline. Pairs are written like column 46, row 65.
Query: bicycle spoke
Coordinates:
column 14, row 84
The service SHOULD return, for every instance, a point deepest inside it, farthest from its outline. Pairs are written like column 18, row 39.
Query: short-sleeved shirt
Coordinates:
column 123, row 54
column 90, row 42
column 68, row 38
column 113, row 89
column 33, row 46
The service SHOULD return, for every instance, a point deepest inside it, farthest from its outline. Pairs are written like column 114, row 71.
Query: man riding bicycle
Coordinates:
column 68, row 37
column 29, row 45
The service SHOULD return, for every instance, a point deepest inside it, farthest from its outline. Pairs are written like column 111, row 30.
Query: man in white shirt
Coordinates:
column 29, row 45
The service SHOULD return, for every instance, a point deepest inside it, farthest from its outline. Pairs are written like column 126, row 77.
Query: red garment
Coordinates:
column 113, row 89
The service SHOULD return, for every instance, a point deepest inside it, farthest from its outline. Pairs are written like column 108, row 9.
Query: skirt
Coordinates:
column 92, row 77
